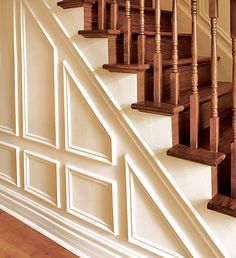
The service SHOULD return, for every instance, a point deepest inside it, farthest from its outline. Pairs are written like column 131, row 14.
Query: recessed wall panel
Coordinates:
column 39, row 63
column 7, row 68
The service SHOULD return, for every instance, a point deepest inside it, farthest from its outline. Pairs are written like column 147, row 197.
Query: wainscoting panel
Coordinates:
column 8, row 73
column 9, row 163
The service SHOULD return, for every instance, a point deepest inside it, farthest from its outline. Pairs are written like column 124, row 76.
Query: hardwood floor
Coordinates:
column 18, row 240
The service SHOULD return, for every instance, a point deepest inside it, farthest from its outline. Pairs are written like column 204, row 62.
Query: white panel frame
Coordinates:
column 113, row 228
column 132, row 235
column 26, row 133
column 36, row 192
column 16, row 150
column 112, row 158
column 14, row 131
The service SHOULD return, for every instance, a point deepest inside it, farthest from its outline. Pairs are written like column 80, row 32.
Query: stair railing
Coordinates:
column 174, row 76
column 101, row 14
column 214, row 120
column 114, row 15
column 233, row 144
column 157, row 59
column 141, row 36
column 128, row 34
column 194, row 98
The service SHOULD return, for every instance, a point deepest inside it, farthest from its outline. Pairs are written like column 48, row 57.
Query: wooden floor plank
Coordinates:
column 18, row 240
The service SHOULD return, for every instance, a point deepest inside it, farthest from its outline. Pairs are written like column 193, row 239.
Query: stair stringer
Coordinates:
column 57, row 220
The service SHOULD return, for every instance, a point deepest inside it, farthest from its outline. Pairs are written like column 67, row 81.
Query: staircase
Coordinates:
column 172, row 80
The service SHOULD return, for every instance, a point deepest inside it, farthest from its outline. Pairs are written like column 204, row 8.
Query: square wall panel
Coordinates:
column 42, row 177
column 92, row 198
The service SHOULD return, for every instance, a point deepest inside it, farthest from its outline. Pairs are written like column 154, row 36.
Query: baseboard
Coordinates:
column 74, row 238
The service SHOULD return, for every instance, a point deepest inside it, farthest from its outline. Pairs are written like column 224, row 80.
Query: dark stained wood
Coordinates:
column 142, row 36
column 157, row 58
column 18, row 240
column 114, row 15
column 128, row 34
column 124, row 68
column 157, row 108
column 214, row 120
column 194, row 99
column 101, row 14
column 74, row 3
column 98, row 33
column 175, row 129
column 174, row 76
column 233, row 145
column 223, row 204
column 196, row 155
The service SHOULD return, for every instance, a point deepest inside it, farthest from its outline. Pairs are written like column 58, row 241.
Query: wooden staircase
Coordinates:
column 173, row 80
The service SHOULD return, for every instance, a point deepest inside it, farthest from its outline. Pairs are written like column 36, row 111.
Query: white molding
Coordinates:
column 40, row 194
column 15, row 181
column 112, row 158
column 112, row 228
column 132, row 235
column 72, row 236
column 26, row 134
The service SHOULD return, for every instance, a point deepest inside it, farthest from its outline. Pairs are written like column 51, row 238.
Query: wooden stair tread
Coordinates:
column 126, row 68
column 205, row 93
column 198, row 155
column 157, row 108
column 133, row 68
column 223, row 204
column 79, row 3
column 98, row 33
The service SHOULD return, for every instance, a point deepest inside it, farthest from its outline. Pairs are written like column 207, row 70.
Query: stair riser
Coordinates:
column 184, row 78
column 91, row 19
column 184, row 50
column 225, row 107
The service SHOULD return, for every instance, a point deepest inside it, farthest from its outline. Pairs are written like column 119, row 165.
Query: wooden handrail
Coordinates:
column 174, row 77
column 141, row 36
column 157, row 60
column 194, row 98
column 233, row 144
column 128, row 34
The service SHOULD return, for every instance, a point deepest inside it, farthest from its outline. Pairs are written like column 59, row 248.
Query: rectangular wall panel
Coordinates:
column 8, row 114
column 9, row 163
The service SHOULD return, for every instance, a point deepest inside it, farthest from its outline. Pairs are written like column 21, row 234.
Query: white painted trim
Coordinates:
column 26, row 134
column 113, row 228
column 28, row 188
column 8, row 179
column 112, row 158
column 70, row 235
column 132, row 235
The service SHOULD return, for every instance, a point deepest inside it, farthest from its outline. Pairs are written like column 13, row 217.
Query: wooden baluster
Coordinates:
column 114, row 15
column 233, row 144
column 194, row 98
column 101, row 14
column 141, row 36
column 128, row 34
column 158, row 72
column 214, row 120
column 174, row 76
